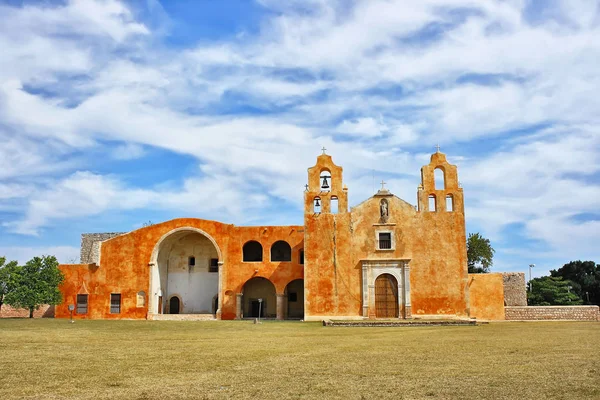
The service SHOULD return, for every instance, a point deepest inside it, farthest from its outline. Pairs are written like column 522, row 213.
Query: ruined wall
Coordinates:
column 577, row 313
column 486, row 296
column 515, row 290
column 90, row 246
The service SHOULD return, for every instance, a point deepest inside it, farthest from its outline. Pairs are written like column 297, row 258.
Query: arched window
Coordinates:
column 253, row 252
column 432, row 203
column 317, row 205
column 325, row 181
column 281, row 251
column 334, row 205
column 141, row 299
column 439, row 178
column 449, row 203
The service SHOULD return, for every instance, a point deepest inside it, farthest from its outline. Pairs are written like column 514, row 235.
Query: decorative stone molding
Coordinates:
column 399, row 269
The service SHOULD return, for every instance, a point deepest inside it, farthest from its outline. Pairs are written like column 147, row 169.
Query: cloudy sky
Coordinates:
column 113, row 114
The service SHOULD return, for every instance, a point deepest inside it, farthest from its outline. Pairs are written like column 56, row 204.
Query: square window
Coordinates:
column 292, row 297
column 82, row 304
column 385, row 241
column 214, row 265
column 115, row 303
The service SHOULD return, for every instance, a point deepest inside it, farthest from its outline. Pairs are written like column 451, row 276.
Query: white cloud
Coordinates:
column 21, row 254
column 464, row 70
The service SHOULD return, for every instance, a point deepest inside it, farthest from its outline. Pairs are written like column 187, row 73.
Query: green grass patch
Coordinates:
column 53, row 359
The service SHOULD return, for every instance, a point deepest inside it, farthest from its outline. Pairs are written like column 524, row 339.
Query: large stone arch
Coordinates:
column 174, row 271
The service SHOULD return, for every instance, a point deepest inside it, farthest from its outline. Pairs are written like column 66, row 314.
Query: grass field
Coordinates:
column 53, row 359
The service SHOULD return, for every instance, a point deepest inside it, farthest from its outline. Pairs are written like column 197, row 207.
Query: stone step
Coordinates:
column 401, row 323
column 182, row 317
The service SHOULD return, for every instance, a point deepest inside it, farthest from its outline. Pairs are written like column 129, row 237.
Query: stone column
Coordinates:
column 238, row 306
column 372, row 310
column 365, row 290
column 280, row 306
column 220, row 294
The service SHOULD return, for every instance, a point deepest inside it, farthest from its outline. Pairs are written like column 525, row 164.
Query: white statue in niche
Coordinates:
column 383, row 209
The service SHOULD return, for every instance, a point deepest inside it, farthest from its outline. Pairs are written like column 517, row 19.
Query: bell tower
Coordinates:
column 325, row 188
column 439, row 190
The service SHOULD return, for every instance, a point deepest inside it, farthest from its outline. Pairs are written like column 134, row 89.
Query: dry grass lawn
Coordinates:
column 53, row 359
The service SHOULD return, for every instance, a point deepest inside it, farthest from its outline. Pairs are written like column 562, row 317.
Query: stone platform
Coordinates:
column 181, row 317
column 403, row 323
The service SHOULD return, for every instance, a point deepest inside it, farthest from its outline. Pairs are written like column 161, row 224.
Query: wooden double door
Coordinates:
column 386, row 296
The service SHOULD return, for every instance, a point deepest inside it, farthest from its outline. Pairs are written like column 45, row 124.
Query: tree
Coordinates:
column 7, row 272
column 552, row 291
column 585, row 275
column 480, row 254
column 35, row 283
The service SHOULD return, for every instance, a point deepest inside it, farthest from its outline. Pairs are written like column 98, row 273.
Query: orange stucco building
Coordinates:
column 383, row 258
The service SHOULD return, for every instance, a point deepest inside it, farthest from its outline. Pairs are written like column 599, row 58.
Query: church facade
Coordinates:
column 383, row 258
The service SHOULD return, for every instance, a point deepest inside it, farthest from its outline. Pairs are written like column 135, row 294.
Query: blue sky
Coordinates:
column 113, row 114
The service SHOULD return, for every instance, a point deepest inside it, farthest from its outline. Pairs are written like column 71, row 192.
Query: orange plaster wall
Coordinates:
column 434, row 242
column 486, row 296
column 124, row 266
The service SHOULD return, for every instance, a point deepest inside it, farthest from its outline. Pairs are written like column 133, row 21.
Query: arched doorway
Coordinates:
column 295, row 299
column 259, row 299
column 183, row 266
column 386, row 296
column 174, row 305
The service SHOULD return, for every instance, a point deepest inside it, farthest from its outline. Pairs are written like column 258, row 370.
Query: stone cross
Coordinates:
column 324, row 149
column 438, row 148
column 383, row 185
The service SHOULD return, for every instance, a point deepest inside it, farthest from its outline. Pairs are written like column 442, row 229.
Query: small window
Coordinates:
column 432, row 203
column 385, row 240
column 115, row 303
column 214, row 265
column 253, row 252
column 281, row 251
column 141, row 299
column 301, row 257
column 449, row 203
column 293, row 297
column 82, row 304
column 191, row 261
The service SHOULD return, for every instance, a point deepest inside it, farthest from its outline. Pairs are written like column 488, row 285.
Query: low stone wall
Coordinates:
column 554, row 313
column 44, row 311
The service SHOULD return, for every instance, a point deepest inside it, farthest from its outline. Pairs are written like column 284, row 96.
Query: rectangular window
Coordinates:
column 292, row 297
column 115, row 303
column 301, row 257
column 214, row 265
column 385, row 240
column 82, row 304
column 191, row 261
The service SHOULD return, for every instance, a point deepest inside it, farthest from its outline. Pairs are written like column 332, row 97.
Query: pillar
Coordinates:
column 280, row 306
column 238, row 306
column 220, row 295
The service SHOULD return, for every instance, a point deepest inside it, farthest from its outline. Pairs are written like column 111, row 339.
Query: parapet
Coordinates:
column 90, row 246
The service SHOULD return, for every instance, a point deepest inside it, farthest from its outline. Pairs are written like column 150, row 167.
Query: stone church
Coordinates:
column 383, row 258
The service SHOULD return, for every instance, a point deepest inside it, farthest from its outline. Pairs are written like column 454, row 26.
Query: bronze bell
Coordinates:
column 325, row 184
column 317, row 204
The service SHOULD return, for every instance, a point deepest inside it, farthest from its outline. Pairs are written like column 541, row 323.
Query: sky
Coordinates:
column 114, row 114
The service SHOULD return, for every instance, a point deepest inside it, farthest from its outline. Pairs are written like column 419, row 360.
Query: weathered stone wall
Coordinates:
column 90, row 246
column 44, row 311
column 486, row 296
column 578, row 313
column 515, row 291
